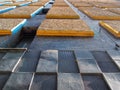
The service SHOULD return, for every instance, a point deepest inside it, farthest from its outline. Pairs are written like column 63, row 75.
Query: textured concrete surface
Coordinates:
column 90, row 52
column 70, row 81
column 67, row 62
column 44, row 82
column 88, row 66
column 48, row 63
column 18, row 81
column 105, row 62
column 10, row 59
column 113, row 80
column 82, row 54
column 95, row 82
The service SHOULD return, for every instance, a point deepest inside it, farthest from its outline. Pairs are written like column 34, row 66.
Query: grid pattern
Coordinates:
column 94, row 70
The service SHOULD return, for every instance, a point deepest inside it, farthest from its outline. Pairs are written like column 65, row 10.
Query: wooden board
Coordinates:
column 22, row 12
column 62, row 13
column 100, row 14
column 6, row 25
column 58, row 27
column 112, row 27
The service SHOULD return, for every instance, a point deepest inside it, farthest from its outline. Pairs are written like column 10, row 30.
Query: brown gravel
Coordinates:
column 82, row 4
column 7, row 24
column 22, row 12
column 114, row 24
column 114, row 10
column 98, row 13
column 64, row 26
column 3, row 7
column 60, row 4
column 61, row 13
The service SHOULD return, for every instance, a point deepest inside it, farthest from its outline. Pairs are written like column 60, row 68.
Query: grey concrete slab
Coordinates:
column 47, row 66
column 113, row 80
column 67, row 62
column 70, row 81
column 114, row 54
column 48, row 62
column 88, row 66
column 44, row 82
column 29, row 61
column 9, row 61
column 82, row 54
column 66, row 43
column 18, row 81
column 49, row 55
column 117, row 62
column 108, row 67
column 104, row 61
column 3, row 79
column 101, row 56
column 94, row 82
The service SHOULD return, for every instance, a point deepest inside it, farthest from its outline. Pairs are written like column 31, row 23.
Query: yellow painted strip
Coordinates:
column 110, row 29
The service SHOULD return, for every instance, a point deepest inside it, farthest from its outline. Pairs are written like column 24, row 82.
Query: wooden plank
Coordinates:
column 88, row 66
column 113, row 80
column 60, row 27
column 48, row 62
column 70, row 81
column 18, row 81
column 10, row 60
column 112, row 27
column 62, row 13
